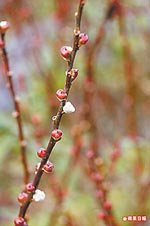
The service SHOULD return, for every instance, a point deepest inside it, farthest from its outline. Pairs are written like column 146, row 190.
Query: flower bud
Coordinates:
column 41, row 153
column 68, row 108
column 83, row 38
column 19, row 221
column 66, row 51
column 48, row 167
column 22, row 197
column 4, row 25
column 38, row 196
column 107, row 205
column 1, row 44
column 61, row 94
column 30, row 187
column 56, row 134
column 102, row 215
column 90, row 154
column 73, row 73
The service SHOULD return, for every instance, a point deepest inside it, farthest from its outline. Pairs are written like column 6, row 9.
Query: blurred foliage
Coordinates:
column 38, row 30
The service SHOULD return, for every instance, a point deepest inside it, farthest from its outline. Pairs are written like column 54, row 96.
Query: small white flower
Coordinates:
column 38, row 196
column 3, row 23
column 68, row 108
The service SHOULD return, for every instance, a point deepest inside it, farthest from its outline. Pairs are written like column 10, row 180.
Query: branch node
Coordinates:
column 8, row 85
column 10, row 73
column 17, row 99
column 23, row 143
column 76, row 32
column 54, row 118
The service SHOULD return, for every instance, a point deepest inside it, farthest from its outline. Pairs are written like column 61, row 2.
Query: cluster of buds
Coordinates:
column 98, row 179
column 37, row 195
column 67, row 108
column 22, row 198
column 102, row 215
column 56, row 134
column 31, row 193
column 66, row 51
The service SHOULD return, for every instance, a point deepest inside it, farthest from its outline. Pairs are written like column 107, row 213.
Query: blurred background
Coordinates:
column 112, row 99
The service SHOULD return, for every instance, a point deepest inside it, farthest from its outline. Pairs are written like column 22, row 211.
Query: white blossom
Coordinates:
column 68, row 108
column 3, row 23
column 38, row 196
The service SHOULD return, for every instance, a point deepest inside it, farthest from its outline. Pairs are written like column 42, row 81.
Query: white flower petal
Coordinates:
column 68, row 108
column 3, row 23
column 38, row 196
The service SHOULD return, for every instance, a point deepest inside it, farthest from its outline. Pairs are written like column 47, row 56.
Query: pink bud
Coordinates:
column 42, row 153
column 66, row 52
column 61, row 94
column 56, row 134
column 107, row 205
column 22, row 197
column 102, row 215
column 19, row 221
column 48, row 167
column 83, row 38
column 30, row 187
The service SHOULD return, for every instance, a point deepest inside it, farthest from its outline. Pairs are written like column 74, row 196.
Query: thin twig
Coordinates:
column 17, row 112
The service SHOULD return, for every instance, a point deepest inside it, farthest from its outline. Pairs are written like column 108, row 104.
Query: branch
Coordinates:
column 17, row 113
column 69, row 54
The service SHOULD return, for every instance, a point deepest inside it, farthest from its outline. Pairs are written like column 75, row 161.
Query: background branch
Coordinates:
column 17, row 112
